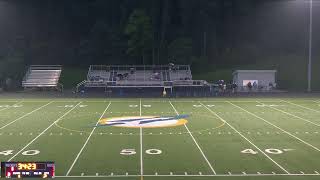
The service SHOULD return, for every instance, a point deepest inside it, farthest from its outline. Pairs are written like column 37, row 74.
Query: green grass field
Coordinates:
column 225, row 138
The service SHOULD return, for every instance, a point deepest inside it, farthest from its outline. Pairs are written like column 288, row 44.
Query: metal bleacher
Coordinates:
column 42, row 76
column 139, row 76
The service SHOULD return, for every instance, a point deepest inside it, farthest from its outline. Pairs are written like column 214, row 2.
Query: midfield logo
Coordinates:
column 144, row 121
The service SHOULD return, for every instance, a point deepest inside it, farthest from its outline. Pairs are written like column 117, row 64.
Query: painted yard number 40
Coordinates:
column 269, row 151
column 25, row 153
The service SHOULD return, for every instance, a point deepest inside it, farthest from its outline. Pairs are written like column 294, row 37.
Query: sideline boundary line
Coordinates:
column 196, row 175
column 282, row 168
column 194, row 140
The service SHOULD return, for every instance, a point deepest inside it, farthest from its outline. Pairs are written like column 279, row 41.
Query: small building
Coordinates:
column 259, row 79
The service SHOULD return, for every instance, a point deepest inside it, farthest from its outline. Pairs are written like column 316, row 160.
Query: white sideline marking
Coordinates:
column 84, row 145
column 43, row 132
column 141, row 146
column 246, row 139
column 292, row 115
column 195, row 175
column 194, row 140
column 26, row 115
column 308, row 144
column 304, row 107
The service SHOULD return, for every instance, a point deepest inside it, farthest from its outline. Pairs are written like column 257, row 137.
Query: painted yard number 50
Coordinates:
column 129, row 152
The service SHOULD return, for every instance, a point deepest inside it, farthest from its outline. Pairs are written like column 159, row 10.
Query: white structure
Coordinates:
column 259, row 79
column 43, row 76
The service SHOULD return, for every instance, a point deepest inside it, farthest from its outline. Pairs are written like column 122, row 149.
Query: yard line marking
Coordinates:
column 141, row 157
column 190, row 175
column 84, row 145
column 194, row 140
column 214, row 113
column 292, row 115
column 42, row 132
column 304, row 107
column 306, row 143
column 11, row 106
column 26, row 115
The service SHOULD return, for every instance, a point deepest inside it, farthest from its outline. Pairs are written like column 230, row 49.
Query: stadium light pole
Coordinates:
column 310, row 47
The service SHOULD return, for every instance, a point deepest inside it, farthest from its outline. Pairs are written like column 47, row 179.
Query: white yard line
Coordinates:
column 304, row 142
column 86, row 142
column 196, row 143
column 304, row 107
column 214, row 113
column 141, row 147
column 291, row 115
column 26, row 115
column 43, row 132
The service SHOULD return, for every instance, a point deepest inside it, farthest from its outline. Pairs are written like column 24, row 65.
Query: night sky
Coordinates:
column 209, row 35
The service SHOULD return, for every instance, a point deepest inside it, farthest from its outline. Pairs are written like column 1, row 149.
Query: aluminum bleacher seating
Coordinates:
column 39, row 76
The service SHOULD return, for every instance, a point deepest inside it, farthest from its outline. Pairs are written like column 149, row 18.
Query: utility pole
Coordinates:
column 310, row 48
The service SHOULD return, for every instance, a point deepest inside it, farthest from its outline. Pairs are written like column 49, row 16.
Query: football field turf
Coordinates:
column 223, row 138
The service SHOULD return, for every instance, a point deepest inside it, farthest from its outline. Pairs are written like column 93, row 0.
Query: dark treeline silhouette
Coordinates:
column 208, row 34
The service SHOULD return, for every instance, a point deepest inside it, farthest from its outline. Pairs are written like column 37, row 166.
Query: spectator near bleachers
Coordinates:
column 140, row 76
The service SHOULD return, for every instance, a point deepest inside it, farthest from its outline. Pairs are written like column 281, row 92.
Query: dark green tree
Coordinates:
column 180, row 51
column 140, row 34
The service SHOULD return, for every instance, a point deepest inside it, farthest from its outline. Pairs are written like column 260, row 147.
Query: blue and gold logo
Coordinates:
column 144, row 121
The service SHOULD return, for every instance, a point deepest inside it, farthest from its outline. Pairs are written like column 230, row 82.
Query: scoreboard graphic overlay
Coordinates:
column 27, row 169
